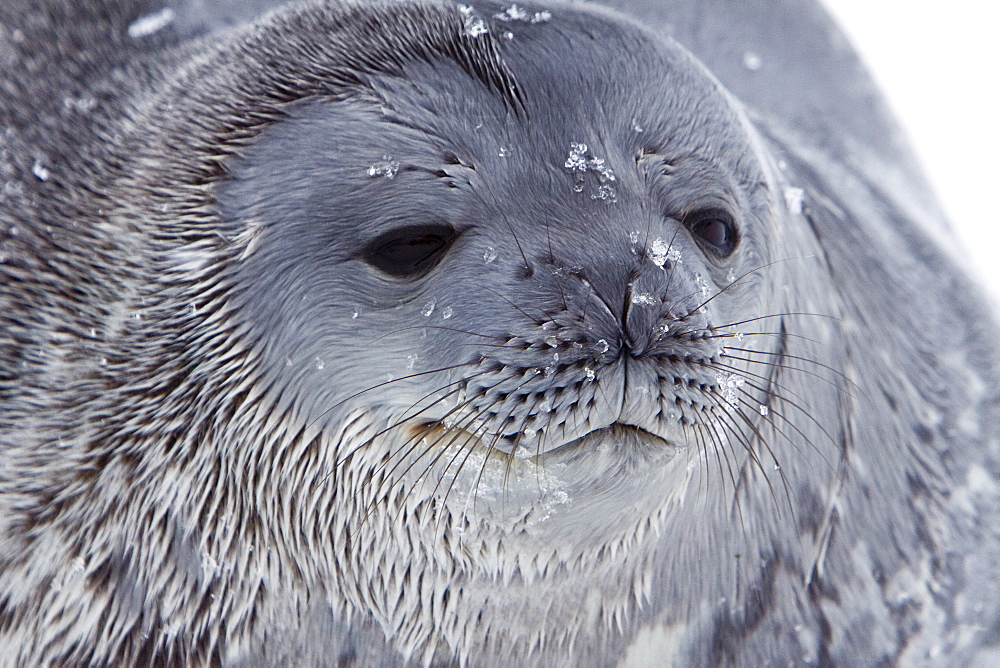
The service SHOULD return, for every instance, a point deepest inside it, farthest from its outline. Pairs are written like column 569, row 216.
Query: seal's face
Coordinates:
column 510, row 320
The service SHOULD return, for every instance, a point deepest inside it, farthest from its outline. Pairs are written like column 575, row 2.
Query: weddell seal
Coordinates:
column 412, row 332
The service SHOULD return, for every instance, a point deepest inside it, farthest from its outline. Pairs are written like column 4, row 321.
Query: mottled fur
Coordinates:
column 201, row 461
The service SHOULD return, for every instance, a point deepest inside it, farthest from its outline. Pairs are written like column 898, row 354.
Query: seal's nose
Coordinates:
column 647, row 305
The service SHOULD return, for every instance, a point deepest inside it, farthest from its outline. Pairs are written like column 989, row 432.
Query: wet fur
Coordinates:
column 181, row 483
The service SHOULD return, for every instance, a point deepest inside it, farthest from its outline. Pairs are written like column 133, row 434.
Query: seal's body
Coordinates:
column 429, row 333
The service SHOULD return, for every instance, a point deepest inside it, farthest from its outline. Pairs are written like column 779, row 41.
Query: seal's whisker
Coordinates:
column 785, row 314
column 541, row 434
column 511, row 456
column 552, row 261
column 510, row 227
column 390, row 382
column 586, row 301
column 383, row 493
column 772, row 412
column 704, row 478
column 673, row 266
column 491, row 448
column 736, row 335
column 783, row 395
column 378, row 499
column 744, row 275
column 468, row 446
column 721, row 439
column 784, row 355
column 521, row 310
column 769, row 379
column 404, row 417
column 456, row 330
column 723, row 414
column 788, row 367
column 748, row 376
column 496, row 439
column 412, row 443
column 747, row 444
column 720, row 453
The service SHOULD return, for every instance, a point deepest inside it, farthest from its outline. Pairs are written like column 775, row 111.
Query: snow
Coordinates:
column 150, row 24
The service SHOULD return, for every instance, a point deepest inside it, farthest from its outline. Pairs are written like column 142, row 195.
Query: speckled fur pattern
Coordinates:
column 227, row 439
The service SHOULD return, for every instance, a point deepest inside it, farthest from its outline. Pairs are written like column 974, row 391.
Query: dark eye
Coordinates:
column 410, row 252
column 714, row 230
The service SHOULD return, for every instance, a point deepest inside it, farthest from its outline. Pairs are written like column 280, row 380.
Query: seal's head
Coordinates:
column 502, row 286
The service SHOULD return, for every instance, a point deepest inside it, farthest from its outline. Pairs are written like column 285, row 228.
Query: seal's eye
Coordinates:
column 714, row 230
column 410, row 252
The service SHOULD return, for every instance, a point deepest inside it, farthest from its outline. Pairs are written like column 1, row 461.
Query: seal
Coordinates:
column 407, row 332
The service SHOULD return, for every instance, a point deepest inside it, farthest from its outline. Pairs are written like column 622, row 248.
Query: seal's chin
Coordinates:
column 573, row 495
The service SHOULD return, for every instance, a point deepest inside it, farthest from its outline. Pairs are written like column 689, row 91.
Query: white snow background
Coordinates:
column 939, row 65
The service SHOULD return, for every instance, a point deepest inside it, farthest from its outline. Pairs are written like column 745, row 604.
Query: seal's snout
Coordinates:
column 593, row 343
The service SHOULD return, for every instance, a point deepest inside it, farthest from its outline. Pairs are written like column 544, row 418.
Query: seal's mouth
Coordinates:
column 613, row 436
column 615, row 439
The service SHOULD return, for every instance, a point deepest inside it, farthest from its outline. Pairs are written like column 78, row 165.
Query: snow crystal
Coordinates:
column 512, row 13
column 515, row 13
column 794, row 197
column 577, row 160
column 82, row 105
column 763, row 410
column 474, row 26
column 602, row 346
column 40, row 172
column 428, row 309
column 703, row 286
column 147, row 25
column 658, row 252
column 489, row 255
column 386, row 167
column 605, row 193
column 447, row 312
column 751, row 61
column 320, row 364
column 579, row 163
column 643, row 299
column 728, row 386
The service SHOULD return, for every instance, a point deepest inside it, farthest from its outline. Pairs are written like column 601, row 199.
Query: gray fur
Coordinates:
column 227, row 438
